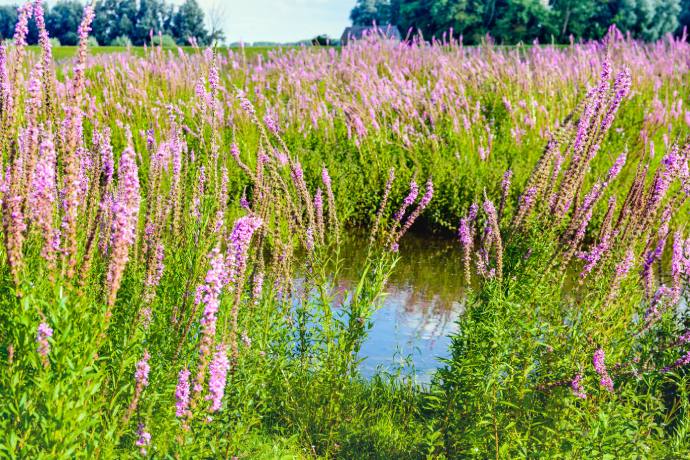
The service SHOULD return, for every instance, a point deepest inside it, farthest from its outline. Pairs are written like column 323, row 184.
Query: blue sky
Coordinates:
column 282, row 20
column 275, row 20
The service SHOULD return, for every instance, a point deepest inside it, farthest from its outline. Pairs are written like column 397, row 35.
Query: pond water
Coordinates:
column 423, row 301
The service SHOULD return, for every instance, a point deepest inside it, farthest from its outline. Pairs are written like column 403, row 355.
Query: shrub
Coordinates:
column 166, row 41
column 122, row 40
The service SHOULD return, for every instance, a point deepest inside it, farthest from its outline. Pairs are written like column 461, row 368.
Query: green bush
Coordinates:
column 166, row 41
column 122, row 40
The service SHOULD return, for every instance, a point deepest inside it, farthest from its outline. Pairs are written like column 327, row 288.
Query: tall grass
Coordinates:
column 172, row 249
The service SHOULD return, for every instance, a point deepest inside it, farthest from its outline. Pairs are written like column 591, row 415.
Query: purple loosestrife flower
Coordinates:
column 408, row 201
column 144, row 438
column 621, row 86
column 245, row 103
column 218, row 371
column 382, row 205
column 680, row 362
column 423, row 203
column 465, row 233
column 474, row 210
column 593, row 257
column 657, row 305
column 527, row 200
column 6, row 98
column 258, row 286
column 155, row 273
column 600, row 367
column 240, row 237
column 43, row 37
column 238, row 248
column 576, row 386
column 83, row 33
column 626, row 264
column 213, row 78
column 325, row 177
column 106, row 153
column 209, row 295
column 682, row 339
column 318, row 206
column 21, row 29
column 494, row 236
column 43, row 333
column 466, row 237
column 246, row 340
column 310, row 239
column 141, row 381
column 332, row 217
column 505, row 182
column 271, row 124
column 125, row 212
column 617, row 167
column 505, row 188
column 42, row 193
column 182, row 394
column 142, row 373
column 244, row 203
column 235, row 151
column 677, row 261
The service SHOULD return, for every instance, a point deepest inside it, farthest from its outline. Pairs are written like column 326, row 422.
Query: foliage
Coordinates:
column 188, row 23
column 136, row 20
column 122, row 40
column 514, row 21
column 168, row 211
column 166, row 41
column 367, row 12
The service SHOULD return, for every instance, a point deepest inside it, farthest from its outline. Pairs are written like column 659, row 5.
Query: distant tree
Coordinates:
column 216, row 19
column 522, row 21
column 684, row 16
column 366, row 12
column 8, row 19
column 150, row 20
column 122, row 40
column 63, row 19
column 472, row 19
column 166, row 41
column 189, row 23
column 113, row 18
column 647, row 19
column 322, row 40
column 579, row 18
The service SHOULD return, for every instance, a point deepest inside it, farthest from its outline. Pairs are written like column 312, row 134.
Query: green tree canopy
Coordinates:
column 8, row 19
column 118, row 20
column 188, row 23
column 63, row 19
column 366, row 12
column 512, row 21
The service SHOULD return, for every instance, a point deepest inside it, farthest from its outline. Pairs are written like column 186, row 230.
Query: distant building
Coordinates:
column 357, row 32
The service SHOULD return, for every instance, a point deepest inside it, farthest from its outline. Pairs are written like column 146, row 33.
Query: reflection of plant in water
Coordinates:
column 422, row 293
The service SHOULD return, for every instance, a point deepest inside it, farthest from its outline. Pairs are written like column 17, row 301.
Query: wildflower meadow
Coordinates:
column 174, row 228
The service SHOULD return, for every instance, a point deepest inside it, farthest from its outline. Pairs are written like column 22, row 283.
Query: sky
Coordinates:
column 282, row 20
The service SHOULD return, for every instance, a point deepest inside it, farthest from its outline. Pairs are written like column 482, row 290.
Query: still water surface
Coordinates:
column 422, row 303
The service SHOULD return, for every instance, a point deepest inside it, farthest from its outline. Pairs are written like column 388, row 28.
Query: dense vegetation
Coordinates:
column 514, row 21
column 172, row 248
column 120, row 23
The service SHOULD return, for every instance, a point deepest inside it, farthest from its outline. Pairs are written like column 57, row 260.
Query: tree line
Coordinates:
column 513, row 21
column 121, row 22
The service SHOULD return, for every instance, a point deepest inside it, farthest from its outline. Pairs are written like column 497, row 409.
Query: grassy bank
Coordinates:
column 172, row 250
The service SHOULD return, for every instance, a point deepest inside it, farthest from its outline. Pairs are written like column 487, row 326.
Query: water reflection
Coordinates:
column 422, row 304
